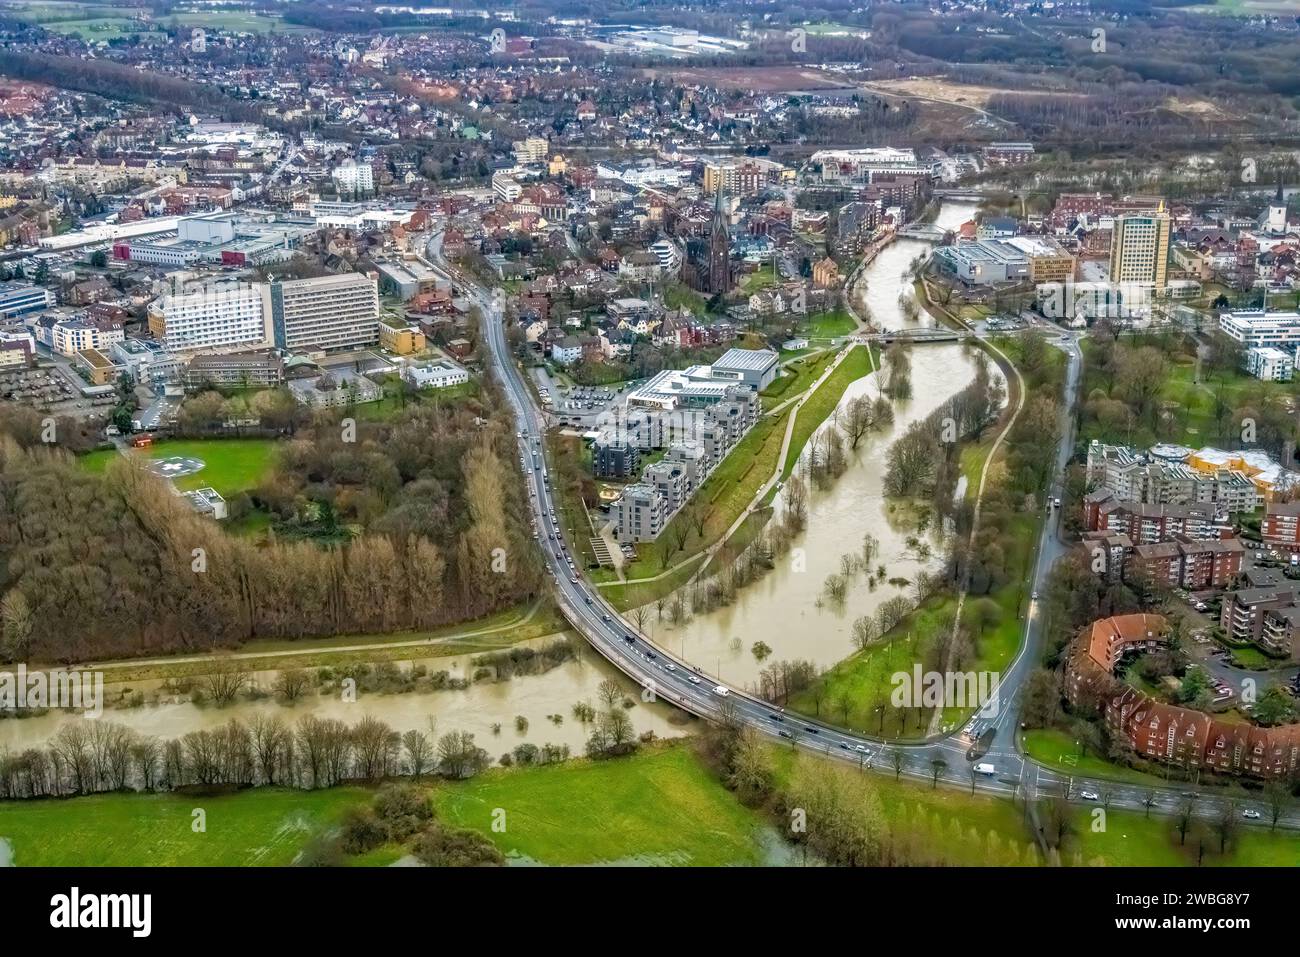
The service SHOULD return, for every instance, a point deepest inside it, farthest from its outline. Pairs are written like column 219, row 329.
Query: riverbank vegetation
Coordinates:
column 402, row 525
column 724, row 800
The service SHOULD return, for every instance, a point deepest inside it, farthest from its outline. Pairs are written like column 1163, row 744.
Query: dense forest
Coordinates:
column 431, row 531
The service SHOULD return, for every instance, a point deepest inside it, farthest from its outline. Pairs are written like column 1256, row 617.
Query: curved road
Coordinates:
column 665, row 676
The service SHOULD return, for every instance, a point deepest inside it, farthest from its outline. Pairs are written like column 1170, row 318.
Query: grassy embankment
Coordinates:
column 660, row 806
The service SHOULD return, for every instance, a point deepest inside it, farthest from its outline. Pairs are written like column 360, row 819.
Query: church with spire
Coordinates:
column 719, row 249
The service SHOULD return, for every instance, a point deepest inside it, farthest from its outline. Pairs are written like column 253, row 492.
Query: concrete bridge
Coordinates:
column 924, row 231
column 918, row 335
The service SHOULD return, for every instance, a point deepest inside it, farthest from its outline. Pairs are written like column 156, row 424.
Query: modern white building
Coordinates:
column 642, row 513
column 437, row 374
column 215, row 316
column 859, row 166
column 20, row 298
column 1269, row 364
column 72, row 336
column 506, row 188
column 354, row 179
column 1256, row 328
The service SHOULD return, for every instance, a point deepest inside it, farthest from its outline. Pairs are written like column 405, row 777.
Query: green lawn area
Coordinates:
column 237, row 22
column 858, row 363
column 1130, row 839
column 1057, row 749
column 828, row 325
column 230, row 465
column 661, row 806
column 795, row 378
column 1190, row 403
column 264, row 826
column 103, row 28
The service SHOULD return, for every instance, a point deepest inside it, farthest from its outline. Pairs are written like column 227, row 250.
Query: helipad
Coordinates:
column 176, row 466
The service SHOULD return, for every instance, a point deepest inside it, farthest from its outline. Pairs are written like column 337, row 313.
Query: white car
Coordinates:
column 1250, row 814
column 721, row 691
column 1090, row 795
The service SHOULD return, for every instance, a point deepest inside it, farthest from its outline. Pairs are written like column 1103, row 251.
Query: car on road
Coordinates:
column 573, row 579
column 785, row 734
column 693, row 679
column 1090, row 795
column 860, row 747
column 988, row 770
column 1250, row 814
column 721, row 691
column 811, row 730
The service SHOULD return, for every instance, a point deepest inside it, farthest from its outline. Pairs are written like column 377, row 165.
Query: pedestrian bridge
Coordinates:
column 918, row 335
column 924, row 231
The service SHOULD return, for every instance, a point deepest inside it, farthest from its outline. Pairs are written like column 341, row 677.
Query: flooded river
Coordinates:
column 781, row 609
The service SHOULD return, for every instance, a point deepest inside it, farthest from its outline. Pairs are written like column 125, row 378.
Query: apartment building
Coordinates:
column 1147, row 524
column 1163, row 733
column 533, row 149
column 1183, row 563
column 1206, row 477
column 613, row 458
column 213, row 317
column 1243, row 614
column 262, row 368
column 70, row 336
column 1139, row 248
column 642, row 513
column 329, row 313
column 353, row 179
column 1280, row 526
column 702, row 443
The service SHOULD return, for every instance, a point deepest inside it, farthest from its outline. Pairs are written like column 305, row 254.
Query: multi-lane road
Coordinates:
column 686, row 686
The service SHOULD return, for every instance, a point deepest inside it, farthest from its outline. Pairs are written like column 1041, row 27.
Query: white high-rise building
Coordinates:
column 354, row 179
column 213, row 317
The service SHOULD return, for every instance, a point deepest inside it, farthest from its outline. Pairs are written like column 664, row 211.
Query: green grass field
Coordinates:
column 819, row 407
column 104, row 28
column 1057, row 749
column 230, row 465
column 660, row 807
column 828, row 325
column 1190, row 403
column 265, row 826
column 795, row 378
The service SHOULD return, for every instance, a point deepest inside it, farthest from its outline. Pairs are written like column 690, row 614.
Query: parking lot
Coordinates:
column 52, row 389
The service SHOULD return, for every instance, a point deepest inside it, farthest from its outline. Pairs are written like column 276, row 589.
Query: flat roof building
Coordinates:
column 327, row 313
